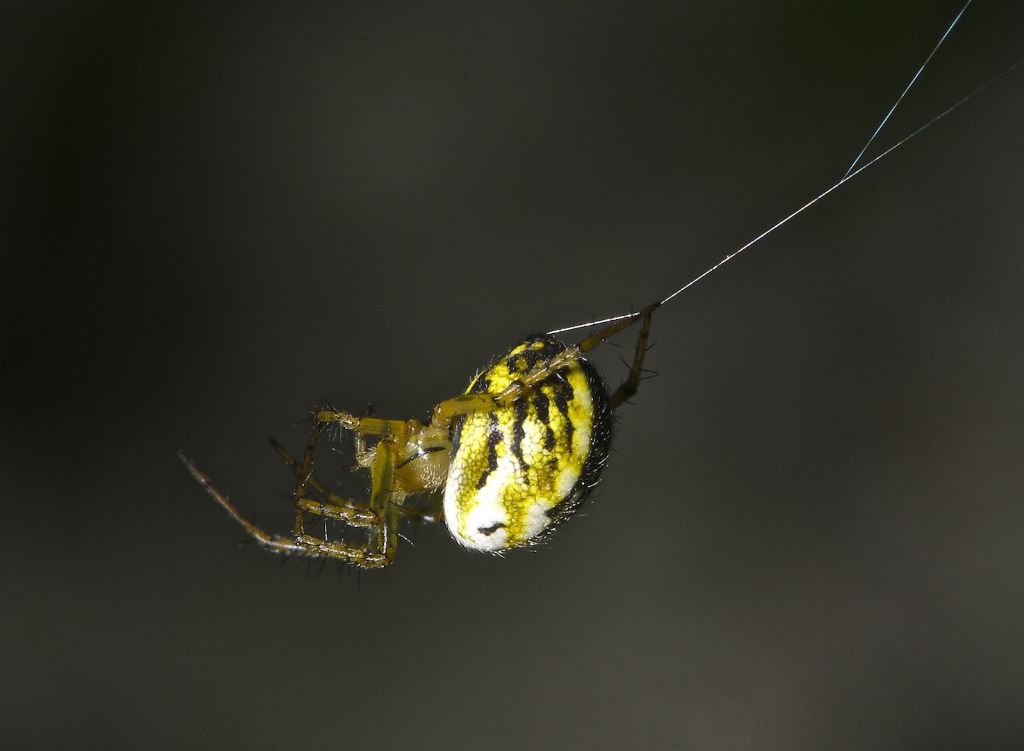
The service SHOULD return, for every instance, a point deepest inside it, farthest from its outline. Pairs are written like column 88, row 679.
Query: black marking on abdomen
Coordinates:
column 600, row 441
column 542, row 405
column 493, row 438
column 521, row 408
column 488, row 531
column 563, row 395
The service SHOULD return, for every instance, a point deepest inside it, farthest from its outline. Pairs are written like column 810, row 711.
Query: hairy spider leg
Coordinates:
column 354, row 513
column 632, row 383
column 363, row 425
column 385, row 501
column 302, row 477
column 302, row 544
column 363, row 455
column 303, row 472
column 337, row 508
column 273, row 542
column 608, row 331
column 546, row 369
column 381, row 517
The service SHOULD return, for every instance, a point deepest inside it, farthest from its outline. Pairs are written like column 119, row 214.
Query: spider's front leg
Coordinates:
column 383, row 531
column 385, row 502
column 380, row 518
column 338, row 508
column 362, row 425
column 303, row 544
column 272, row 542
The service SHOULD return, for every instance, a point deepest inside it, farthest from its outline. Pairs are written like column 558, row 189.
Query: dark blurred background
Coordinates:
column 216, row 217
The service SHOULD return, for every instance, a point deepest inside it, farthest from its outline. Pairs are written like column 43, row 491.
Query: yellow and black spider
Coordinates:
column 514, row 455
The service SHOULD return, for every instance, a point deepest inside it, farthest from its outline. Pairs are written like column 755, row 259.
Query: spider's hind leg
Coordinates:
column 632, row 383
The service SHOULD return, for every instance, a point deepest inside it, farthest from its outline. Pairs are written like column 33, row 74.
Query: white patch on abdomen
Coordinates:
column 486, row 511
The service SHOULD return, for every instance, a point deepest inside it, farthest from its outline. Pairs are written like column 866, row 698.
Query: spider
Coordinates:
column 515, row 455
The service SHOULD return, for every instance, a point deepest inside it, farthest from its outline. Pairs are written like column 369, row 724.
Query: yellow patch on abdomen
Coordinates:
column 519, row 470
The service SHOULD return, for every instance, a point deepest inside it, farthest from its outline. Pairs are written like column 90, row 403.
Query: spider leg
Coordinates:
column 462, row 405
column 337, row 508
column 384, row 504
column 632, row 382
column 545, row 369
column 381, row 518
column 364, row 425
column 384, row 501
column 301, row 545
column 273, row 542
column 592, row 341
column 364, row 456
column 303, row 473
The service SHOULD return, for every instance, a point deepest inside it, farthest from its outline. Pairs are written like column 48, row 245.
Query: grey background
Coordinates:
column 810, row 533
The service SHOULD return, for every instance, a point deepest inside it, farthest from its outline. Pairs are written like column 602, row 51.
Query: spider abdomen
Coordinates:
column 517, row 471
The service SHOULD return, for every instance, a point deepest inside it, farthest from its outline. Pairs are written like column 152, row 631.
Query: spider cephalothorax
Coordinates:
column 504, row 462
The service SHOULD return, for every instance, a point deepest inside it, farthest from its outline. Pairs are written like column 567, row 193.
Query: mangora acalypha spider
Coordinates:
column 505, row 462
